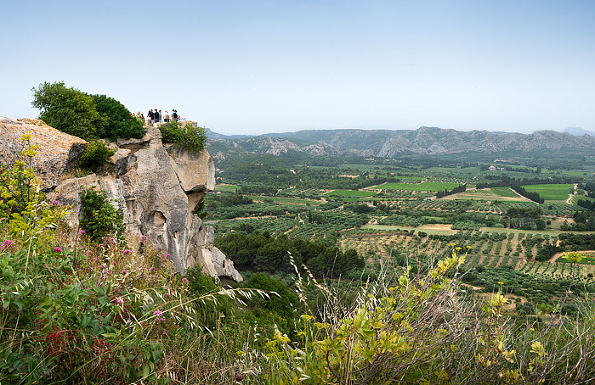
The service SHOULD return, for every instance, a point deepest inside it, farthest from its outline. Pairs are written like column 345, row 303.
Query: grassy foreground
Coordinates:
column 79, row 308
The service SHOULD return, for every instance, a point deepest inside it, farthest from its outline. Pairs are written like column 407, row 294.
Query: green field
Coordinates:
column 352, row 193
column 424, row 186
column 226, row 187
column 504, row 192
column 290, row 201
column 556, row 192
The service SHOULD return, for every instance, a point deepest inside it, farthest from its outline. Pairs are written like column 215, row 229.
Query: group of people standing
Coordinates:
column 156, row 116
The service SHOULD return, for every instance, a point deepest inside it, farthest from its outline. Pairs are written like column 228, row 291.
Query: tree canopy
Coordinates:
column 86, row 116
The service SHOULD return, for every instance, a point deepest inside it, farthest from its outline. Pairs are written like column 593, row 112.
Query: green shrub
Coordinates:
column 86, row 116
column 69, row 110
column 95, row 155
column 18, row 182
column 120, row 123
column 98, row 217
column 187, row 137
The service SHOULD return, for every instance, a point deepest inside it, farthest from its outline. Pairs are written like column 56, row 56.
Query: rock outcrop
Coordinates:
column 56, row 151
column 156, row 186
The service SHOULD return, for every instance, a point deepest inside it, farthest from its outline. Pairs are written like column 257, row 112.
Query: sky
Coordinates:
column 261, row 66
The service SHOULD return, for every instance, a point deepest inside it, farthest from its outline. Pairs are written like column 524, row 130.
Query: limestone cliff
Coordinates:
column 156, row 186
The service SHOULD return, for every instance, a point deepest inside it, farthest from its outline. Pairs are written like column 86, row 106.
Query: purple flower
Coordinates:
column 143, row 238
column 57, row 249
column 151, row 268
column 119, row 300
column 125, row 252
column 82, row 232
column 164, row 333
column 54, row 202
column 7, row 245
column 100, row 245
column 157, row 313
column 124, row 271
column 184, row 280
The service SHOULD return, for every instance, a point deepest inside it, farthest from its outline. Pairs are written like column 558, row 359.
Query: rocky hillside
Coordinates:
column 424, row 140
column 155, row 186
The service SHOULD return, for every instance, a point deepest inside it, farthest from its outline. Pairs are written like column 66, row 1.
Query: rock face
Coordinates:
column 56, row 152
column 155, row 186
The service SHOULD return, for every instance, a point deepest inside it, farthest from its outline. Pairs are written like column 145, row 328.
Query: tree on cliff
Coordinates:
column 86, row 116
column 121, row 124
column 68, row 110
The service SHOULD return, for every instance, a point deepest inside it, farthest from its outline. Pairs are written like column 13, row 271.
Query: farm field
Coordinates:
column 489, row 194
column 551, row 192
column 367, row 207
column 352, row 193
column 290, row 201
column 424, row 186
column 226, row 187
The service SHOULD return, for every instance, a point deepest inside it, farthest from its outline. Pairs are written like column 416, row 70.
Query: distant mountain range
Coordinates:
column 424, row 140
column 578, row 131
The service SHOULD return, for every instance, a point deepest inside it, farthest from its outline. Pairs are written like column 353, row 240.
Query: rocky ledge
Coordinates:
column 156, row 186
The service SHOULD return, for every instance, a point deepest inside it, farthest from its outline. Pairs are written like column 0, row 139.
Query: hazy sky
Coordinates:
column 251, row 67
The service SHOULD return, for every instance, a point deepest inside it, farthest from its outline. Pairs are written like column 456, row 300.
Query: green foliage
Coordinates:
column 260, row 252
column 69, row 110
column 95, row 155
column 18, row 182
column 120, row 124
column 185, row 136
column 86, row 116
column 98, row 217
column 281, row 301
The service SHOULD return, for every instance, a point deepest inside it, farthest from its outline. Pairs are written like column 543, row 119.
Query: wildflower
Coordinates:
column 119, row 300
column 151, row 268
column 157, row 313
column 112, row 240
column 82, row 232
column 124, row 271
column 54, row 203
column 184, row 280
column 125, row 252
column 100, row 245
column 143, row 238
column 164, row 333
column 7, row 245
column 57, row 249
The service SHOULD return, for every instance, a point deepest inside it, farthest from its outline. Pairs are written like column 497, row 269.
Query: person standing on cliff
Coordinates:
column 166, row 117
column 150, row 116
column 156, row 116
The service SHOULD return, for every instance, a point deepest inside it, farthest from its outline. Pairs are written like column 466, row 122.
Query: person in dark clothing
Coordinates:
column 151, row 116
column 156, row 116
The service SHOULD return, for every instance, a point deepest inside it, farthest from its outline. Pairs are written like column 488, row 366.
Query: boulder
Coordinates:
column 56, row 151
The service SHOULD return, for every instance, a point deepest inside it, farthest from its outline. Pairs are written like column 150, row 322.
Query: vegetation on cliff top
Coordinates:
column 86, row 116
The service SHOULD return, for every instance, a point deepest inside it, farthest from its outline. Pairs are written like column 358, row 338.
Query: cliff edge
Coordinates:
column 155, row 186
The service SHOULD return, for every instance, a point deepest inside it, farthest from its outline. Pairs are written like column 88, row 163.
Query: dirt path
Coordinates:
column 555, row 257
column 571, row 194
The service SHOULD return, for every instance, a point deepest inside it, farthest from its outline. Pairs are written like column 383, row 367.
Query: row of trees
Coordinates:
column 261, row 252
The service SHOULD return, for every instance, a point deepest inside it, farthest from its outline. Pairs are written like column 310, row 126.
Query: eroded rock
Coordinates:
column 56, row 152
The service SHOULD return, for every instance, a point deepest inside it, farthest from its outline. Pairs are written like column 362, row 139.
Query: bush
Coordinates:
column 69, row 110
column 95, row 155
column 98, row 217
column 120, row 123
column 187, row 137
column 86, row 116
